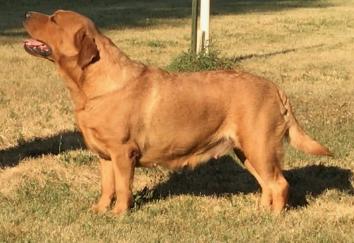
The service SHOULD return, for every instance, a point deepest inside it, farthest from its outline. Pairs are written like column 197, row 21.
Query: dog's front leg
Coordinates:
column 123, row 168
column 107, row 187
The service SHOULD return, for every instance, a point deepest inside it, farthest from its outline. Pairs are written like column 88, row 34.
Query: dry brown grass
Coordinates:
column 46, row 191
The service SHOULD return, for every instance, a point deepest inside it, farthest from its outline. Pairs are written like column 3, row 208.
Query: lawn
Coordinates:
column 48, row 180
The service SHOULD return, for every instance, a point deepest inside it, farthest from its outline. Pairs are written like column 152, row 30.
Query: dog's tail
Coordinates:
column 298, row 138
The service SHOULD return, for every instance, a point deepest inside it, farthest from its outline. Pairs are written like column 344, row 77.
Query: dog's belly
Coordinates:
column 175, row 158
column 189, row 145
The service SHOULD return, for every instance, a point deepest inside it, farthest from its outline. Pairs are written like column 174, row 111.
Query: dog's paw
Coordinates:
column 98, row 208
column 120, row 209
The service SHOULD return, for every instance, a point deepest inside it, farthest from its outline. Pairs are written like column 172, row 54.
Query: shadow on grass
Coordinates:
column 237, row 59
column 64, row 141
column 225, row 177
column 313, row 180
column 110, row 14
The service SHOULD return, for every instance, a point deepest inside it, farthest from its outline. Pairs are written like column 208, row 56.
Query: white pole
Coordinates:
column 204, row 25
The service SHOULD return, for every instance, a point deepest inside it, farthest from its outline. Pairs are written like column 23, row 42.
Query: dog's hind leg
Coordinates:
column 107, row 187
column 266, row 198
column 263, row 163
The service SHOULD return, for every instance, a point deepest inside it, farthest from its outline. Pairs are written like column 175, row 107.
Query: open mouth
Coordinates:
column 37, row 48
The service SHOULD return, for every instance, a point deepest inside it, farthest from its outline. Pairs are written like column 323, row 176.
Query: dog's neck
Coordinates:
column 113, row 71
column 71, row 74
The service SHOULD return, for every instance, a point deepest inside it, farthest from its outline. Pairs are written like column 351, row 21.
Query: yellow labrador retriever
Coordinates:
column 133, row 115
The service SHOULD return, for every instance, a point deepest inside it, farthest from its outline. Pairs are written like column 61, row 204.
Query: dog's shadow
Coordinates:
column 225, row 177
column 55, row 144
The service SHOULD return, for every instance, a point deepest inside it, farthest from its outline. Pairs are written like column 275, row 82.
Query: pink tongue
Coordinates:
column 33, row 42
column 36, row 44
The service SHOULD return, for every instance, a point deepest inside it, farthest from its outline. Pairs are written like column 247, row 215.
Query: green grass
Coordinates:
column 48, row 181
column 203, row 61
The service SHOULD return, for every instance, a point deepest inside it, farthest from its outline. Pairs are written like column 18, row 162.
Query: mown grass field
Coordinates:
column 48, row 180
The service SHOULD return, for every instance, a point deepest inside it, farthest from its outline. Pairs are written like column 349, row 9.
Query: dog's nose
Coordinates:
column 28, row 15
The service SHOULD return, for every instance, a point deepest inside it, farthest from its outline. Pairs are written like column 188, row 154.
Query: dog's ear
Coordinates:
column 88, row 52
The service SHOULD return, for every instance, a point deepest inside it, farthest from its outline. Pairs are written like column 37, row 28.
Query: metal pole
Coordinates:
column 194, row 26
column 204, row 24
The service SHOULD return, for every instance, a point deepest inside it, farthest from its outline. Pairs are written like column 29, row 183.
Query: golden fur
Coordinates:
column 136, row 115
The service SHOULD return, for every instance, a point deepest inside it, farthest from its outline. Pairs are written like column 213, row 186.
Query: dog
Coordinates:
column 134, row 115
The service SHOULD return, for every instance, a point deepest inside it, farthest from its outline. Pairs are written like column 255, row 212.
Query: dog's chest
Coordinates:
column 92, row 138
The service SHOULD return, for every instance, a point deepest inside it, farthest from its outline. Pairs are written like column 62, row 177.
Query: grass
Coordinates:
column 205, row 60
column 48, row 181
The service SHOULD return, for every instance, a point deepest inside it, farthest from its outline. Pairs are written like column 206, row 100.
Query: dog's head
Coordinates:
column 62, row 35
